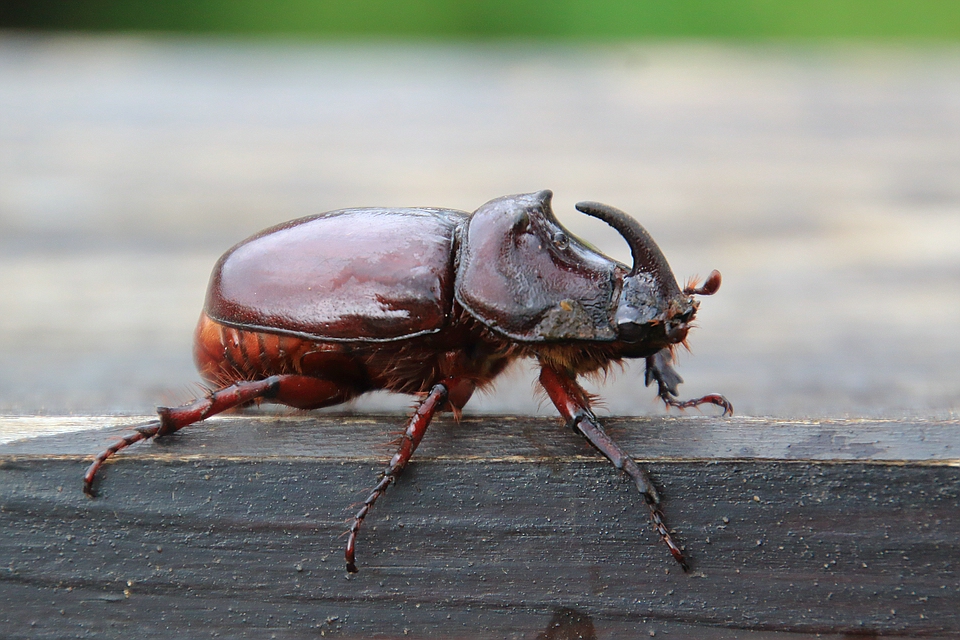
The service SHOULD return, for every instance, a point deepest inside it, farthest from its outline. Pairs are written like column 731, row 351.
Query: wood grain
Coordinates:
column 521, row 438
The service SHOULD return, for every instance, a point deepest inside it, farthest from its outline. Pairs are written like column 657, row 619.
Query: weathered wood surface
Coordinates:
column 501, row 527
column 365, row 437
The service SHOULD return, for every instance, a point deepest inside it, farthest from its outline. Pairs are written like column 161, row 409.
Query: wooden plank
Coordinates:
column 504, row 527
column 353, row 436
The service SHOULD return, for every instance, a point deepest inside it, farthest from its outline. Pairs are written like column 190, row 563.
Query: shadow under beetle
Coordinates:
column 316, row 311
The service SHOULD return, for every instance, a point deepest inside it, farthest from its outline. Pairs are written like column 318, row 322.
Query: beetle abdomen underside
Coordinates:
column 357, row 274
column 226, row 354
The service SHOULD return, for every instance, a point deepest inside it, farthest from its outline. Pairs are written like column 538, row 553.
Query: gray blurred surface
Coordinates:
column 824, row 183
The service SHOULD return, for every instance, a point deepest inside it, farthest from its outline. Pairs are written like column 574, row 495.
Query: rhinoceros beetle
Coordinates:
column 436, row 302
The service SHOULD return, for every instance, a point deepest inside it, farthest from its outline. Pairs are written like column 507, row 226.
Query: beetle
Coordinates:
column 435, row 302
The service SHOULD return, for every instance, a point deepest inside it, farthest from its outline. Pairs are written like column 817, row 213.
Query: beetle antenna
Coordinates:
column 646, row 254
column 710, row 287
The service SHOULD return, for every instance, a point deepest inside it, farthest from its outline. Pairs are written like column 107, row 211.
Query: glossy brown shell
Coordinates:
column 366, row 275
column 525, row 276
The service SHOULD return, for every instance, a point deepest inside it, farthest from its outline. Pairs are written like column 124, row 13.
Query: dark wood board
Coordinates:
column 368, row 437
column 489, row 539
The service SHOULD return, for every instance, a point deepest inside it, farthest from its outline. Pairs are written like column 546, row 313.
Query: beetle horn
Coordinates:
column 646, row 254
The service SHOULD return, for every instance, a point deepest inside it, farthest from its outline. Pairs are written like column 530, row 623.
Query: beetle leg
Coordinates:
column 302, row 392
column 172, row 420
column 713, row 398
column 571, row 400
column 408, row 444
column 660, row 369
column 142, row 432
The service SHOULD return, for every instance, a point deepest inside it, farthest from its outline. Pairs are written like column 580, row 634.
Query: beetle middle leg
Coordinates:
column 416, row 427
column 571, row 400
column 302, row 392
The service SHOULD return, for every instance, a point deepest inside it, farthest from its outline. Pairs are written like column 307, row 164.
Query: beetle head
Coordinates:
column 652, row 311
column 523, row 275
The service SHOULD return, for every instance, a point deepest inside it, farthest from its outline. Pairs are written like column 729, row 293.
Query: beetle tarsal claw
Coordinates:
column 713, row 398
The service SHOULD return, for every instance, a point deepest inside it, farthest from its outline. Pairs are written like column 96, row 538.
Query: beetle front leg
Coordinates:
column 660, row 369
column 408, row 444
column 571, row 400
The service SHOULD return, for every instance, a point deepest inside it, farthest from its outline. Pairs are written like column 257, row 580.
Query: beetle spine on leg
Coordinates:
column 292, row 390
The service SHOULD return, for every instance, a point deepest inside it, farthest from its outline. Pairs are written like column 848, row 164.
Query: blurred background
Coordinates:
column 809, row 151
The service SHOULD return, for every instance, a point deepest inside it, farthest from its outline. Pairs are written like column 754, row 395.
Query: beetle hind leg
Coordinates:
column 297, row 391
column 436, row 399
column 172, row 420
column 143, row 432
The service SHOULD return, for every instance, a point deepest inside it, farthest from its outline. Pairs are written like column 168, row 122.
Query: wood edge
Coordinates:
column 564, row 459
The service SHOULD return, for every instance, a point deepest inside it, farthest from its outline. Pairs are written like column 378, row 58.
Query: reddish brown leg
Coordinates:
column 144, row 431
column 172, row 420
column 571, row 400
column 298, row 391
column 408, row 444
column 713, row 398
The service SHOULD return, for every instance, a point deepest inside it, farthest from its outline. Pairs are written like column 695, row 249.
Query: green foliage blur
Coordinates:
column 568, row 19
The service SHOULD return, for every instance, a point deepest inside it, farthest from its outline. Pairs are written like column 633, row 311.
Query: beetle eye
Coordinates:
column 560, row 240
